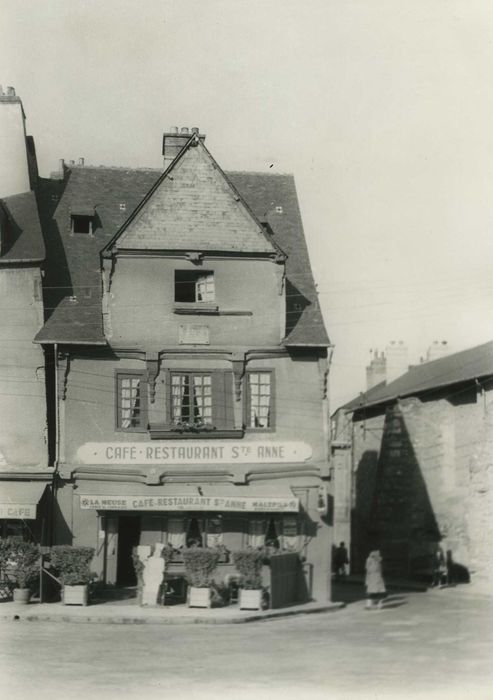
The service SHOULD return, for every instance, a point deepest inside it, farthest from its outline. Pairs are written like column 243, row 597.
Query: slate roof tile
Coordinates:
column 23, row 242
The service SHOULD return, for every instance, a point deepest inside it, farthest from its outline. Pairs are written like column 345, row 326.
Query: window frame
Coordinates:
column 191, row 373
column 131, row 374
column 195, row 275
column 84, row 217
column 271, row 428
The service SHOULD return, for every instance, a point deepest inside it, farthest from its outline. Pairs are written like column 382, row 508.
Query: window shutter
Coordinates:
column 222, row 400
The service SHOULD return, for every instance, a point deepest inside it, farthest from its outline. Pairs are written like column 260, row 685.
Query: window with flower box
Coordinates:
column 200, row 402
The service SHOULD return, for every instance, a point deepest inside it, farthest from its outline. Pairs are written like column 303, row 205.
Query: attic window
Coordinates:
column 279, row 210
column 194, row 286
column 123, row 206
column 81, row 224
column 82, row 219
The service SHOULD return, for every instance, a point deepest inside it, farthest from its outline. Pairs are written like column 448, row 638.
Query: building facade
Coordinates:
column 25, row 476
column 190, row 362
column 419, row 450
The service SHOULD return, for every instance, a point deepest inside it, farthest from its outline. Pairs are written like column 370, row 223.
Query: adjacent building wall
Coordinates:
column 422, row 473
column 22, row 372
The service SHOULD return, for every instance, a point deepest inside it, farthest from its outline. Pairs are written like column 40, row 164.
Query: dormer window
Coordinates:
column 82, row 219
column 193, row 286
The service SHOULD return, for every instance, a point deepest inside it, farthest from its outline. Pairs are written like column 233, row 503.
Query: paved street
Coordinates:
column 435, row 644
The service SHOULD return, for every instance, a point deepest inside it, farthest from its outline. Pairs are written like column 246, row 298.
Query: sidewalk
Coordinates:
column 118, row 613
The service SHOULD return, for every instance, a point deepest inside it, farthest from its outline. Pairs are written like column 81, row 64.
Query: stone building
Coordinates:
column 190, row 361
column 419, row 453
column 24, row 471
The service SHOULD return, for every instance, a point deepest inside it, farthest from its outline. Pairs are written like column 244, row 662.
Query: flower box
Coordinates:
column 75, row 595
column 199, row 597
column 250, row 598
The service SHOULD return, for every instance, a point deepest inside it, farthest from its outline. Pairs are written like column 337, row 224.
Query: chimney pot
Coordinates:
column 174, row 130
column 184, row 129
column 81, row 161
column 10, row 91
column 72, row 162
column 195, row 129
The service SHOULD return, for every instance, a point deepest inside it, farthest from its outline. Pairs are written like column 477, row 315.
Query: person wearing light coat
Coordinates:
column 375, row 585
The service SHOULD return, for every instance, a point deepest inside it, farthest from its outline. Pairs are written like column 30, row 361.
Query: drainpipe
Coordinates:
column 57, row 447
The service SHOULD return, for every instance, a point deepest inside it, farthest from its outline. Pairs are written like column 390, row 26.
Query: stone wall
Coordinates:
column 422, row 475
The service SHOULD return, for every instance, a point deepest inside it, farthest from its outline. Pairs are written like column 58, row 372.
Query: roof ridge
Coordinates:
column 112, row 167
column 258, row 172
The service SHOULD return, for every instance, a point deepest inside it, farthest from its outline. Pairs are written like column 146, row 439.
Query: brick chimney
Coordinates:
column 397, row 359
column 175, row 139
column 376, row 372
column 439, row 348
column 14, row 166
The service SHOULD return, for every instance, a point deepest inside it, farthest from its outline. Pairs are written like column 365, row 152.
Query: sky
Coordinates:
column 382, row 109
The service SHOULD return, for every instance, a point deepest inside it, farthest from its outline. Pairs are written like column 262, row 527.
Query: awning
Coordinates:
column 19, row 500
column 188, row 497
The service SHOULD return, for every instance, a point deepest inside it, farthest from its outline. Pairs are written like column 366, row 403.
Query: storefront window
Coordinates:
column 271, row 536
column 214, row 536
column 194, row 534
column 256, row 533
column 290, row 538
column 176, row 533
column 16, row 529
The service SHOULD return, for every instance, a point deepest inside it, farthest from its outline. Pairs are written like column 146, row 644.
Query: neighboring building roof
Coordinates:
column 73, row 260
column 21, row 237
column 474, row 363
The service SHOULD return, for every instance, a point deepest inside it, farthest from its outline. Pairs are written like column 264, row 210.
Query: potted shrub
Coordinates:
column 249, row 565
column 199, row 566
column 72, row 565
column 20, row 562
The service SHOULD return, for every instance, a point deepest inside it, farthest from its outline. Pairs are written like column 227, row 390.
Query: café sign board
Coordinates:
column 247, row 504
column 196, row 452
column 18, row 511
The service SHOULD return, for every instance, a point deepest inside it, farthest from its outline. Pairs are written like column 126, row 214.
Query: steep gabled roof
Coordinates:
column 73, row 261
column 21, row 237
column 193, row 206
column 467, row 365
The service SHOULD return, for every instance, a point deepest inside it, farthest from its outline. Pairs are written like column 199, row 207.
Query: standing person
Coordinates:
column 375, row 585
column 341, row 560
column 440, row 575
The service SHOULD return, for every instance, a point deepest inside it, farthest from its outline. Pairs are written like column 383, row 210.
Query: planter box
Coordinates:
column 250, row 599
column 75, row 595
column 22, row 595
column 199, row 597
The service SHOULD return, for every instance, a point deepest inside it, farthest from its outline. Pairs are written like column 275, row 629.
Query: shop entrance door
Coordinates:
column 128, row 538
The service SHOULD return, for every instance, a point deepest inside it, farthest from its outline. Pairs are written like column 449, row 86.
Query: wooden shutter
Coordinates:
column 222, row 400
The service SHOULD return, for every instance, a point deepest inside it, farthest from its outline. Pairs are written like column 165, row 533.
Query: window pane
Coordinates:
column 260, row 400
column 191, row 399
column 130, row 402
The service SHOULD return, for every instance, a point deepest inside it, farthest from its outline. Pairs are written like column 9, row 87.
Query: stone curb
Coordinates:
column 26, row 615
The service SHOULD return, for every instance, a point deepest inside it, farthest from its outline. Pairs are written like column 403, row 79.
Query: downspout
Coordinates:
column 57, row 448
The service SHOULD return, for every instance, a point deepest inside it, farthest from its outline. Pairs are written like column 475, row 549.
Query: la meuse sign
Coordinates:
column 209, row 503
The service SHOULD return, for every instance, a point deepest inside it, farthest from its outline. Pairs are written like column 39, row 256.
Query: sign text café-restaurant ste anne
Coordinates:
column 191, row 361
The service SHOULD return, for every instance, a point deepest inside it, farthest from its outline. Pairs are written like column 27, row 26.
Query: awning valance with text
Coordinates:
column 19, row 499
column 191, row 497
